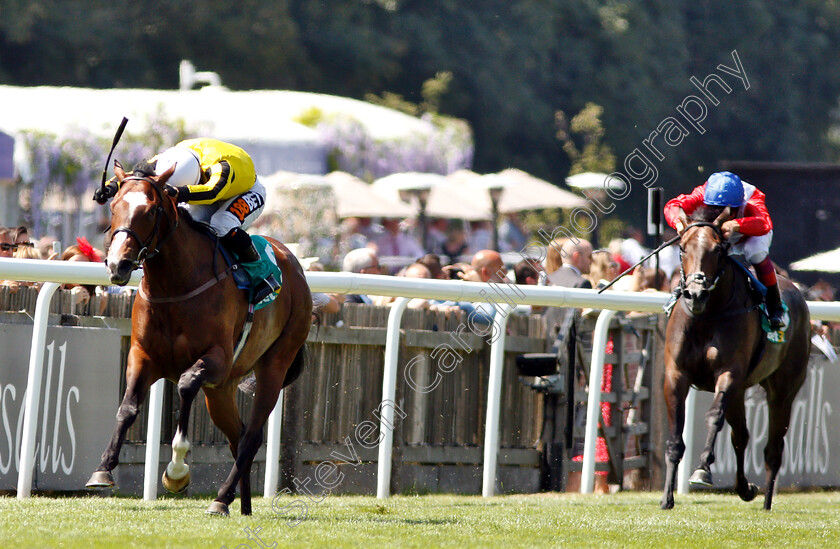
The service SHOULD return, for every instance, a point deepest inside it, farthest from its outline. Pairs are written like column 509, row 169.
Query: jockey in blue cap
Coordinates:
column 750, row 230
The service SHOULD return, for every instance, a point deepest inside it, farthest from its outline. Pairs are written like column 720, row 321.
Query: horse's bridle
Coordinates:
column 700, row 277
column 146, row 245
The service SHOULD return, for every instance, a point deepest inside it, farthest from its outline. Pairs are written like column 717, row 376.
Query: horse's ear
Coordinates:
column 724, row 216
column 164, row 177
column 119, row 171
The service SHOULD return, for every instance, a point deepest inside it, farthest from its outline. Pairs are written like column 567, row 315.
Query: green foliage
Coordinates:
column 593, row 155
column 311, row 117
column 393, row 101
column 433, row 91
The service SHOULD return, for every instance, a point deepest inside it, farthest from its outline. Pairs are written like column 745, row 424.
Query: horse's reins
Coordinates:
column 702, row 279
column 146, row 245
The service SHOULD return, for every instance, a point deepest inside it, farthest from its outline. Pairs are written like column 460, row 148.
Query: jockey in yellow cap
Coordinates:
column 218, row 184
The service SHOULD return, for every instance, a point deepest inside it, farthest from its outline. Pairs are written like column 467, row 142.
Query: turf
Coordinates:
column 542, row 520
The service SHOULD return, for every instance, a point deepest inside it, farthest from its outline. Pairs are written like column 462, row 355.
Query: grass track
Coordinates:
column 542, row 520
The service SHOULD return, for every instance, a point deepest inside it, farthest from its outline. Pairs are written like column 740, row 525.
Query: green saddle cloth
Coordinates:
column 774, row 335
column 259, row 270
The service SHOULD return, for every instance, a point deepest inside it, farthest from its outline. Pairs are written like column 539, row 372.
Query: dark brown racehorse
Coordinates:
column 714, row 341
column 186, row 320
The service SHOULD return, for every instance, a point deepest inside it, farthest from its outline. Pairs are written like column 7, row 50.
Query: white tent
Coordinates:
column 263, row 122
column 826, row 262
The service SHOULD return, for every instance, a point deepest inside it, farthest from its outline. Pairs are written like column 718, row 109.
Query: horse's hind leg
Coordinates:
column 137, row 385
column 207, row 369
column 736, row 417
column 779, row 405
column 724, row 391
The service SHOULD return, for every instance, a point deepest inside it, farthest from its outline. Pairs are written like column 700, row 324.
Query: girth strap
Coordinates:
column 210, row 283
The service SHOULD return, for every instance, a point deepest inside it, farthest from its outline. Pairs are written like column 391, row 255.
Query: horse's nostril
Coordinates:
column 125, row 265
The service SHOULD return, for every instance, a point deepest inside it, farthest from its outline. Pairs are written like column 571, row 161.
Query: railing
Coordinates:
column 500, row 295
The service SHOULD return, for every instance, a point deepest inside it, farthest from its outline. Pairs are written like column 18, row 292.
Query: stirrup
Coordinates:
column 777, row 319
column 265, row 288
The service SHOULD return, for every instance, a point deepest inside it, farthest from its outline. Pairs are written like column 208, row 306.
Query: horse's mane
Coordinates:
column 706, row 213
column 199, row 226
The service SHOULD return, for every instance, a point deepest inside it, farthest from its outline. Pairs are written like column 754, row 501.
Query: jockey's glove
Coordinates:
column 102, row 194
column 181, row 194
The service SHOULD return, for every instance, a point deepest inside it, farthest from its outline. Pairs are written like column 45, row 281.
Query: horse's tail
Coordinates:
column 296, row 367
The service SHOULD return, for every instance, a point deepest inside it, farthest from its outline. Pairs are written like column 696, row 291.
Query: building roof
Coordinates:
column 257, row 116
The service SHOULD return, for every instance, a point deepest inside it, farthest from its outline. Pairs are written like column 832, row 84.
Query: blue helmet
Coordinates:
column 724, row 189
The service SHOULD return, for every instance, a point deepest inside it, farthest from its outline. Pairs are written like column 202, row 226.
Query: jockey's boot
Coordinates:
column 775, row 312
column 766, row 274
column 241, row 244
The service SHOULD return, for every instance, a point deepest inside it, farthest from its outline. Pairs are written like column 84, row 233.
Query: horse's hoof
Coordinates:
column 99, row 480
column 749, row 495
column 667, row 504
column 701, row 477
column 218, row 508
column 176, row 486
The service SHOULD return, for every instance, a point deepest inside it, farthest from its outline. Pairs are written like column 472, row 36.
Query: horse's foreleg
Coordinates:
column 676, row 389
column 724, row 389
column 221, row 405
column 135, row 393
column 737, row 419
column 207, row 369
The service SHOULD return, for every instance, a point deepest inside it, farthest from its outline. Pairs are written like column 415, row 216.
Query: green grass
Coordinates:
column 706, row 520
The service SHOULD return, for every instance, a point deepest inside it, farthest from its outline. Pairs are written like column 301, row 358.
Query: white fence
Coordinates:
column 500, row 295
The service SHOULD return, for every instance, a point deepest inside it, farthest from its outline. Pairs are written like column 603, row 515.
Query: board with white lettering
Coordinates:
column 812, row 444
column 79, row 396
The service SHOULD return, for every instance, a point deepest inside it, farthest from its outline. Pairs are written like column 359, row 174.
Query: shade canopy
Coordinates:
column 443, row 199
column 521, row 191
column 825, row 262
column 353, row 197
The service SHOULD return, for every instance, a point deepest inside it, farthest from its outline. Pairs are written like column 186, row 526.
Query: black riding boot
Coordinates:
column 238, row 242
column 775, row 312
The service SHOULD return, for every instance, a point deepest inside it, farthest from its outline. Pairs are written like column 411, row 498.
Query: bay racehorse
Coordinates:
column 715, row 342
column 185, row 323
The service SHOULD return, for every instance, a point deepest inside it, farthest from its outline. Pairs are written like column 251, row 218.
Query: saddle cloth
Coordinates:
column 772, row 335
column 250, row 274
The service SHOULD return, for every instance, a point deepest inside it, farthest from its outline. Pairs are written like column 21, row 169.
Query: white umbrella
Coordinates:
column 826, row 262
column 443, row 199
column 358, row 199
column 522, row 191
column 352, row 197
column 594, row 180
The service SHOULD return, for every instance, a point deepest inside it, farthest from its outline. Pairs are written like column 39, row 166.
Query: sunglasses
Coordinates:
column 6, row 247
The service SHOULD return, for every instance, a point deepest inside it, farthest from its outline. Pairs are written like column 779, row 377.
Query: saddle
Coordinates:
column 246, row 279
